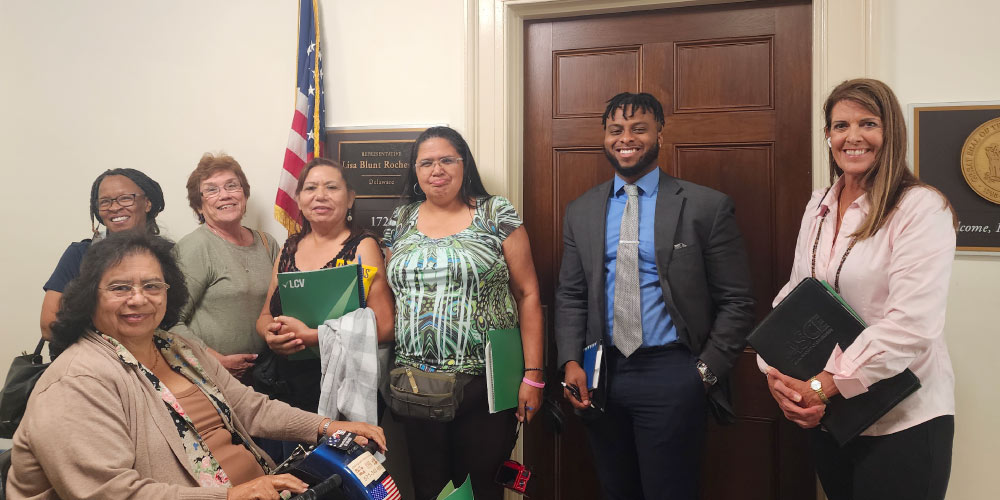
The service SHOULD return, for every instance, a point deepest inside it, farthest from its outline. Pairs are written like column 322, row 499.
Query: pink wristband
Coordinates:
column 532, row 383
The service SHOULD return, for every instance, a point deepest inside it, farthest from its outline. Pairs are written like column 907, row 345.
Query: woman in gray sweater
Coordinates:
column 227, row 266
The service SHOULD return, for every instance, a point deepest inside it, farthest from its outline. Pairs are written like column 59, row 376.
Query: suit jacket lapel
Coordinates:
column 669, row 202
column 598, row 212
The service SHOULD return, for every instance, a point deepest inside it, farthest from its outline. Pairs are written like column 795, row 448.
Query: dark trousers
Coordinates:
column 475, row 443
column 914, row 463
column 648, row 443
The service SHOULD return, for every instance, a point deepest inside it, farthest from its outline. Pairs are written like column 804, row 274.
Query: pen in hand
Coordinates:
column 575, row 391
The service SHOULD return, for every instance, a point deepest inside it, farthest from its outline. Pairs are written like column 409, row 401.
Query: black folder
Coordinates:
column 797, row 339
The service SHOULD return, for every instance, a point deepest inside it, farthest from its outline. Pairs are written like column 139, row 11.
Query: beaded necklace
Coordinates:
column 819, row 231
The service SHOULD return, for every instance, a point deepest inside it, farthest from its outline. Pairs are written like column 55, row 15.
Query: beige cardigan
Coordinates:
column 95, row 428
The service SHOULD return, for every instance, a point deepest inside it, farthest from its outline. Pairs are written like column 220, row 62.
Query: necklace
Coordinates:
column 239, row 252
column 239, row 239
column 156, row 358
column 819, row 231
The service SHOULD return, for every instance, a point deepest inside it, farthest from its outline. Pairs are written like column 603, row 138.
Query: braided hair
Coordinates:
column 630, row 103
column 150, row 189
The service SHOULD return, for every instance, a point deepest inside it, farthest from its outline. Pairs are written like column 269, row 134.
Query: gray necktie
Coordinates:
column 627, row 327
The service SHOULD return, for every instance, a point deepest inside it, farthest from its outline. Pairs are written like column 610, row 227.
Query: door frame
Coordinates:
column 494, row 57
column 494, row 75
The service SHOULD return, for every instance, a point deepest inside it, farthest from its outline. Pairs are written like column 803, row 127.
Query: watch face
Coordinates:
column 816, row 385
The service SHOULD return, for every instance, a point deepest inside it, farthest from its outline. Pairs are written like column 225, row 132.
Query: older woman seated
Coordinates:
column 130, row 410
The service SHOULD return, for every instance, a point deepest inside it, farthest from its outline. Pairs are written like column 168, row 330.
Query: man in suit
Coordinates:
column 655, row 268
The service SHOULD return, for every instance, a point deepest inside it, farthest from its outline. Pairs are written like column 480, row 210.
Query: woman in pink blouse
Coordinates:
column 886, row 242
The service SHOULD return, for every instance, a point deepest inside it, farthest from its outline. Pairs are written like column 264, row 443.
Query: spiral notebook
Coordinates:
column 504, row 368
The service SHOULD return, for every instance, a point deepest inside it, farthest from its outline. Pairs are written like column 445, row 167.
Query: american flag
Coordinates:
column 305, row 140
column 385, row 490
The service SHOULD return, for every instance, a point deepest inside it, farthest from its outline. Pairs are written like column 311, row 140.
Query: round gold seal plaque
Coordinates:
column 981, row 160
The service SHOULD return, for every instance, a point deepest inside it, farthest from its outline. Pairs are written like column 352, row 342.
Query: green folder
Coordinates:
column 316, row 296
column 504, row 368
column 463, row 492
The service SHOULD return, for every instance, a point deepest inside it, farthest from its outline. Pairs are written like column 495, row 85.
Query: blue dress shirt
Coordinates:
column 657, row 326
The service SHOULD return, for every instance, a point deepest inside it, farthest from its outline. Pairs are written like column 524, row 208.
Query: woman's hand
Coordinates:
column 237, row 364
column 529, row 401
column 797, row 401
column 281, row 343
column 362, row 429
column 266, row 488
column 308, row 336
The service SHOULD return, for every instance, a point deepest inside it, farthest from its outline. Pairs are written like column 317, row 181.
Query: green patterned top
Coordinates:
column 450, row 291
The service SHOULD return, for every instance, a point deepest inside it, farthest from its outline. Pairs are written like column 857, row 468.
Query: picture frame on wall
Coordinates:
column 375, row 161
column 956, row 149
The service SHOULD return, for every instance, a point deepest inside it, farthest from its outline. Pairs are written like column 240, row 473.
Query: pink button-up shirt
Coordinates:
column 897, row 280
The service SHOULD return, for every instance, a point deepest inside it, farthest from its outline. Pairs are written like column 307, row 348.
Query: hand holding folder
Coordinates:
column 798, row 337
column 504, row 368
column 313, row 297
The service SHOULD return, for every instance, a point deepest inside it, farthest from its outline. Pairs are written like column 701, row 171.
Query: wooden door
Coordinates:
column 735, row 85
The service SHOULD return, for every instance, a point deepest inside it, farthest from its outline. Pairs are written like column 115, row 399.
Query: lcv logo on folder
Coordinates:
column 316, row 296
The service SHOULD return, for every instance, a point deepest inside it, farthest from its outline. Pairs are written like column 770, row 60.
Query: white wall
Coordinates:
column 87, row 86
column 929, row 53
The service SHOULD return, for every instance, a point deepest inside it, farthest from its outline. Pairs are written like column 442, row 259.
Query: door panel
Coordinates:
column 734, row 81
column 606, row 73
column 723, row 75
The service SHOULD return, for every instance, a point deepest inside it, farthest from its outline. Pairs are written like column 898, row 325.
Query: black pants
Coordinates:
column 914, row 463
column 648, row 443
column 475, row 443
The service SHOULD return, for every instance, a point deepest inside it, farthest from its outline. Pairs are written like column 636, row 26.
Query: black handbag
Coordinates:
column 266, row 378
column 21, row 378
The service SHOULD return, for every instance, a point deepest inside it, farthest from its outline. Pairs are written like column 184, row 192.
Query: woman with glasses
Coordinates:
column 130, row 410
column 227, row 266
column 460, row 266
column 120, row 199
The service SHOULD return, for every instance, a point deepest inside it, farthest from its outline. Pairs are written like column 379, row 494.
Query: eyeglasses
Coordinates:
column 213, row 191
column 445, row 161
column 126, row 290
column 124, row 200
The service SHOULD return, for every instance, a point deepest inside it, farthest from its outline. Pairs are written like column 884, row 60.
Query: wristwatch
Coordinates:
column 706, row 375
column 817, row 387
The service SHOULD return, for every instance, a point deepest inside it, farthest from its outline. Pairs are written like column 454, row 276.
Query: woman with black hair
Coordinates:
column 460, row 266
column 120, row 199
column 130, row 410
column 329, row 234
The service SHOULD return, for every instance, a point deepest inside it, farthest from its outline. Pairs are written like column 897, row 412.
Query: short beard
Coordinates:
column 647, row 159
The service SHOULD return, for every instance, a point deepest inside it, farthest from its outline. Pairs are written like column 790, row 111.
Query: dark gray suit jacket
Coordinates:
column 703, row 267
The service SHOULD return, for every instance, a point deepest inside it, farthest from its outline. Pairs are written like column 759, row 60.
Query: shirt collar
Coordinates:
column 830, row 201
column 648, row 184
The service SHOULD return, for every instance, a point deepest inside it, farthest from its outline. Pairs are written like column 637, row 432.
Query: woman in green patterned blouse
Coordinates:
column 460, row 265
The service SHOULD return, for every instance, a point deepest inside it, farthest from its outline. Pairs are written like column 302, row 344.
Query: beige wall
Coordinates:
column 86, row 86
column 929, row 53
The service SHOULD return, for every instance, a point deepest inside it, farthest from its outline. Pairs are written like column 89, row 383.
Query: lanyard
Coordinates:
column 819, row 231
